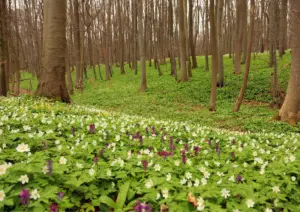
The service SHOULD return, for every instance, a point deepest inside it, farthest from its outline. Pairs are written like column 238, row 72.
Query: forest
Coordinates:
column 149, row 105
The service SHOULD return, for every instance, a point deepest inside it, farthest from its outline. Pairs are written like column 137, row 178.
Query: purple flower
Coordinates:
column 183, row 157
column 60, row 195
column 96, row 159
column 145, row 164
column 197, row 150
column 171, row 144
column 73, row 131
column 165, row 154
column 92, row 128
column 50, row 167
column 140, row 207
column 239, row 178
column 147, row 130
column 186, row 147
column 136, row 136
column 45, row 145
column 141, row 139
column 232, row 155
column 54, row 207
column 25, row 196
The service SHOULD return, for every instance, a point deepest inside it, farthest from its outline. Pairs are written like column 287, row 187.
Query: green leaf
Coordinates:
column 123, row 194
column 107, row 201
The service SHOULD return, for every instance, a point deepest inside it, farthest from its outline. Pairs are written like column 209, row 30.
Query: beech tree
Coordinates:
column 182, row 35
column 248, row 61
column 239, row 35
column 52, row 82
column 142, row 46
column 215, row 65
column 291, row 106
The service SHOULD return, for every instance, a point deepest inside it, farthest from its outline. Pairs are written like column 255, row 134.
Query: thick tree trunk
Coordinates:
column 248, row 60
column 182, row 35
column 52, row 83
column 291, row 106
column 142, row 46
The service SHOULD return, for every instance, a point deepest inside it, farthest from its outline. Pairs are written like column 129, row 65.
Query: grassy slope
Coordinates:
column 167, row 99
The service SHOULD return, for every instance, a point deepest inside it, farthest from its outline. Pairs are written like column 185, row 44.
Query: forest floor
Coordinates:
column 165, row 99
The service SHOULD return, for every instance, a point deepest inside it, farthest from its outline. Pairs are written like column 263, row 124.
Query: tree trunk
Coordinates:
column 191, row 35
column 183, row 71
column 215, row 64
column 142, row 47
column 220, row 43
column 52, row 83
column 248, row 60
column 291, row 106
column 207, row 36
column 283, row 28
column 172, row 43
column 79, row 80
column 121, row 38
column 240, row 22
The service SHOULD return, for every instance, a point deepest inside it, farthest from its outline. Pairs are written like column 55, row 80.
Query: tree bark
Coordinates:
column 191, row 35
column 52, row 83
column 291, row 106
column 215, row 64
column 283, row 28
column 240, row 22
column 77, row 50
column 172, row 43
column 220, row 6
column 248, row 60
column 121, row 38
column 182, row 35
column 142, row 46
column 207, row 36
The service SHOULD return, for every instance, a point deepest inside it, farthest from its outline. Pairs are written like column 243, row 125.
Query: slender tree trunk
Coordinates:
column 248, row 61
column 52, row 83
column 240, row 22
column 79, row 80
column 182, row 35
column 283, row 28
column 291, row 106
column 220, row 6
column 107, row 44
column 121, row 38
column 172, row 43
column 207, row 35
column 215, row 63
column 17, row 71
column 191, row 35
column 142, row 47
